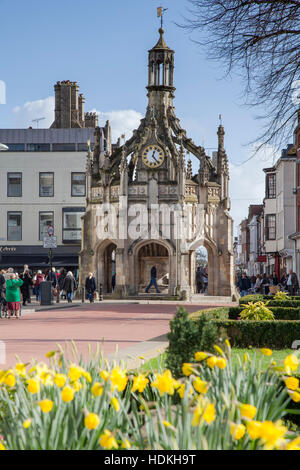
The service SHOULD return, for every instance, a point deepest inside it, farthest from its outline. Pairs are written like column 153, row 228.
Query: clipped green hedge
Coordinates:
column 278, row 334
column 280, row 313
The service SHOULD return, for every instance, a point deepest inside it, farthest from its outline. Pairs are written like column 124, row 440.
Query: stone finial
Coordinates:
column 189, row 170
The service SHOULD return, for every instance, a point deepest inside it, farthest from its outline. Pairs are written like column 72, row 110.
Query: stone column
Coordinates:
column 120, row 288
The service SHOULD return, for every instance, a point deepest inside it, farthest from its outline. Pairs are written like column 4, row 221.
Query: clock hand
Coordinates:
column 154, row 156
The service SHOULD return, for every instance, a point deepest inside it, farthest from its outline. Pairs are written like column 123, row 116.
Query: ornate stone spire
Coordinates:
column 189, row 170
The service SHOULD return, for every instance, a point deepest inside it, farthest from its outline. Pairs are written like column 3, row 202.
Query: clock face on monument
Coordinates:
column 153, row 156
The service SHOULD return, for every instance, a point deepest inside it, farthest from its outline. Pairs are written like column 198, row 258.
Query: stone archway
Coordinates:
column 212, row 267
column 149, row 254
column 106, row 266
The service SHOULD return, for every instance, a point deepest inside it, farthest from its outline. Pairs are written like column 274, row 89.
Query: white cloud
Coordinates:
column 23, row 115
column 121, row 121
column 247, row 183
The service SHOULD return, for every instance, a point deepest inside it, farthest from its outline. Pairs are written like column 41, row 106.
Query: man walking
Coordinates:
column 292, row 282
column 153, row 281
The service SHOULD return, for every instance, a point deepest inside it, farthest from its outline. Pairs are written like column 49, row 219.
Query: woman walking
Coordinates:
column 12, row 292
column 69, row 286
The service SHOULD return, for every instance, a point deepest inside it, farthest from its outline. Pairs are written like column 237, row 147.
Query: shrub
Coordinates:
column 293, row 301
column 185, row 337
column 256, row 311
column 278, row 334
column 281, row 296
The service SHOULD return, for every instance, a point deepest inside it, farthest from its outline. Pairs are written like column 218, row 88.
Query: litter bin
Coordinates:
column 46, row 294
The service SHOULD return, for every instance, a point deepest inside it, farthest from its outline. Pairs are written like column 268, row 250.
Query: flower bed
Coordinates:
column 291, row 302
column 213, row 405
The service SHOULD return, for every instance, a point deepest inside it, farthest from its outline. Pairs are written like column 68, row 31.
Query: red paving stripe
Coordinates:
column 119, row 325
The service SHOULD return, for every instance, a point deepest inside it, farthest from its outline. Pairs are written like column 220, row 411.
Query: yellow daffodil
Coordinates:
column 139, row 383
column 266, row 351
column 248, row 411
column 50, row 354
column 237, row 431
column 91, row 421
column 227, row 343
column 200, row 385
column 33, row 386
column 253, row 428
column 292, row 383
column 294, row 444
column 87, row 376
column 10, row 379
column 209, row 414
column 221, row 363
column 104, row 374
column 27, row 423
column 126, row 444
column 115, row 403
column 108, row 441
column 46, row 405
column 218, row 350
column 118, row 378
column 291, row 363
column 67, row 394
column 200, row 355
column 60, row 380
column 21, row 369
column 187, row 368
column 77, row 385
column 272, row 434
column 2, row 446
column 211, row 361
column 295, row 396
column 97, row 389
column 165, row 383
column 75, row 372
column 181, row 390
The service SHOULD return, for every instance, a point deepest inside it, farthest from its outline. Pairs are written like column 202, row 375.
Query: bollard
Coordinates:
column 83, row 294
column 100, row 293
column 57, row 294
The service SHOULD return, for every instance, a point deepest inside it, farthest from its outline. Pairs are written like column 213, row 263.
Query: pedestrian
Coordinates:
column 244, row 285
column 153, row 281
column 12, row 292
column 283, row 281
column 52, row 277
column 25, row 288
column 61, row 281
column 252, row 282
column 69, row 286
column 257, row 285
column 38, row 279
column 90, row 287
column 274, row 279
column 292, row 282
column 265, row 284
column 199, row 280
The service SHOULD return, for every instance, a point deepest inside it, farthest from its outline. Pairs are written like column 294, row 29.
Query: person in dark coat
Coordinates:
column 153, row 281
column 265, row 284
column 244, row 284
column 26, row 286
column 2, row 286
column 61, row 281
column 90, row 287
column 199, row 280
column 69, row 286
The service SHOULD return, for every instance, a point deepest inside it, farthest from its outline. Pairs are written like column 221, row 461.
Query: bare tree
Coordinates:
column 261, row 40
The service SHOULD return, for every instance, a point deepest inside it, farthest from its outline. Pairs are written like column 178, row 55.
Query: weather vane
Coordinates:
column 160, row 14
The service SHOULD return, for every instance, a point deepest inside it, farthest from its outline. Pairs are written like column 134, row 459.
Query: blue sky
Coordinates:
column 103, row 46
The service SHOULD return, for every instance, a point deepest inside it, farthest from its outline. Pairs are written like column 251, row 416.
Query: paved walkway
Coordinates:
column 122, row 326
